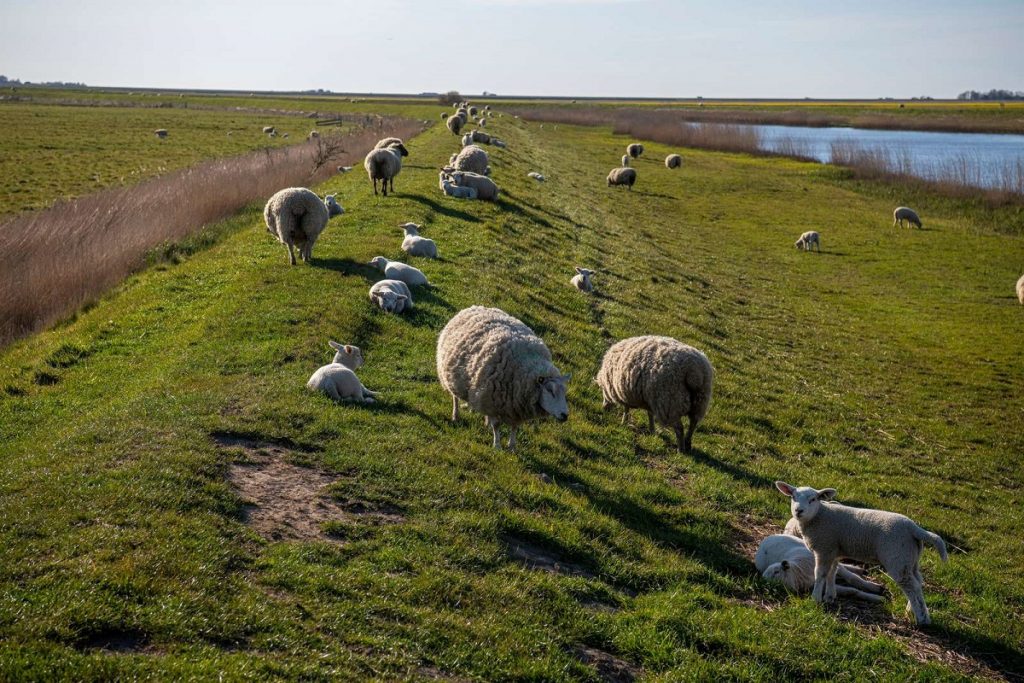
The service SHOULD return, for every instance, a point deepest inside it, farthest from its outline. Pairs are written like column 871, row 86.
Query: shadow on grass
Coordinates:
column 347, row 266
column 444, row 209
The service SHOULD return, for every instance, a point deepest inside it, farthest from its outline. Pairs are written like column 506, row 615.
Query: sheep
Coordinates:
column 344, row 169
column 622, row 176
column 479, row 136
column 467, row 139
column 793, row 528
column 414, row 245
column 162, row 133
column 296, row 216
column 833, row 531
column 581, row 280
column 269, row 130
column 454, row 124
column 444, row 115
column 396, row 270
column 472, row 159
column 391, row 296
column 456, row 191
column 1020, row 289
column 661, row 375
column 786, row 558
column 808, row 240
column 497, row 365
column 673, row 161
column 338, row 379
column 485, row 187
column 384, row 164
column 313, row 135
column 499, row 143
column 625, row 160
column 472, row 111
column 392, row 143
column 902, row 213
column 536, row 176
column 635, row 150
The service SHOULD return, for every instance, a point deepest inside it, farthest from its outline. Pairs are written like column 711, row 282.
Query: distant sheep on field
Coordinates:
column 625, row 160
column 384, row 163
column 902, row 213
column 673, row 161
column 581, row 280
column 391, row 296
column 622, row 176
column 338, row 379
column 635, row 150
column 808, row 240
column 162, row 133
column 454, row 124
column 1020, row 289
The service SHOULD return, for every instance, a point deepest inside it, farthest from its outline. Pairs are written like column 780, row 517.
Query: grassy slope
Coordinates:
column 887, row 367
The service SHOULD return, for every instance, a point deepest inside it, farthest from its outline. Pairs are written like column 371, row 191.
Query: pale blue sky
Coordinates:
column 658, row 48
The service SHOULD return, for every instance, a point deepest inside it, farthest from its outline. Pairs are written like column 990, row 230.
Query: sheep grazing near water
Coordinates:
column 673, row 161
column 472, row 159
column 785, row 558
column 635, row 150
column 1020, row 289
column 498, row 366
column 391, row 296
column 396, row 270
column 833, row 531
column 296, row 217
column 384, row 163
column 808, row 240
column 338, row 379
column 414, row 245
column 454, row 124
column 484, row 186
column 162, row 133
column 622, row 176
column 663, row 376
column 902, row 213
column 581, row 280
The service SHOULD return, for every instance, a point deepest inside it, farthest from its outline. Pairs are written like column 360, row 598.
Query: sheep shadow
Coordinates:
column 347, row 266
column 704, row 458
column 387, row 406
column 655, row 194
column 448, row 211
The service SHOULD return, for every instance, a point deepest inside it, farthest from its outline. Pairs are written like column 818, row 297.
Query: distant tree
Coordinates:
column 450, row 97
column 994, row 94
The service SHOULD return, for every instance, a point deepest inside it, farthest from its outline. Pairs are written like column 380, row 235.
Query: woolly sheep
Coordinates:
column 467, row 139
column 635, row 150
column 485, row 187
column 454, row 124
column 313, row 134
column 625, row 160
column 499, row 143
column 902, row 213
column 391, row 296
column 536, row 176
column 786, row 559
column 663, row 376
column 456, row 191
column 444, row 115
column 622, row 176
column 479, row 136
column 269, row 130
column 344, row 169
column 673, row 161
column 497, row 365
column 1020, row 289
column 296, row 217
column 384, row 164
column 808, row 240
column 581, row 280
column 793, row 528
column 396, row 270
column 833, row 531
column 338, row 379
column 162, row 133
column 472, row 159
column 414, row 245
column 392, row 143
column 472, row 111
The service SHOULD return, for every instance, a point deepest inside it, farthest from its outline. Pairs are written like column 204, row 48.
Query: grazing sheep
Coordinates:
column 472, row 111
column 581, row 280
column 472, row 159
column 663, row 376
column 786, row 559
column 296, row 217
column 635, row 150
column 391, row 296
column 456, row 191
column 338, row 379
column 536, row 176
column 454, row 124
column 414, row 245
column 833, row 531
column 1020, row 289
column 673, row 161
column 622, row 176
column 313, row 135
column 384, row 164
column 162, row 133
column 269, row 130
column 444, row 115
column 808, row 240
column 344, row 169
column 396, row 270
column 392, row 143
column 498, row 366
column 625, row 160
column 485, row 187
column 902, row 213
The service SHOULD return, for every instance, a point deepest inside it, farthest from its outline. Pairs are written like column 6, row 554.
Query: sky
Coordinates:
column 621, row 48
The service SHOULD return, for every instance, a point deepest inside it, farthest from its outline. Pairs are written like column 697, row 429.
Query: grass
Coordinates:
column 887, row 367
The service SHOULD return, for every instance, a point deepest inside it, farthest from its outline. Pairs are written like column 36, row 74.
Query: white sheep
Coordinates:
column 296, row 217
column 396, row 270
column 833, row 531
column 454, row 124
column 162, row 133
column 635, row 150
column 793, row 528
column 622, row 176
column 392, row 143
column 786, row 559
column 663, row 376
column 269, row 130
column 391, row 296
column 472, row 159
column 384, row 163
column 452, row 190
column 467, row 140
column 536, row 176
column 485, row 187
column 673, row 161
column 499, row 143
column 625, row 160
column 313, row 135
column 498, row 366
column 1020, row 289
column 808, row 240
column 581, row 280
column 338, row 379
column 902, row 213
column 414, row 245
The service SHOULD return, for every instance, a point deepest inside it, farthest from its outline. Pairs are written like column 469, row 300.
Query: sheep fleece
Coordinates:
column 295, row 215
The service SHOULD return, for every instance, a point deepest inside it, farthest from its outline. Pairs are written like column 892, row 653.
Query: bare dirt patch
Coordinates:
column 609, row 667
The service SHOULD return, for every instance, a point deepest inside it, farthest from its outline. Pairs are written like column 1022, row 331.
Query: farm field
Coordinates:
column 137, row 436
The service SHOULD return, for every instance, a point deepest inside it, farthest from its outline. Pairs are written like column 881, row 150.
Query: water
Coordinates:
column 978, row 159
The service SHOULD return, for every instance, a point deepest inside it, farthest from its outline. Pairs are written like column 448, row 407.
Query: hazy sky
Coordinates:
column 661, row 48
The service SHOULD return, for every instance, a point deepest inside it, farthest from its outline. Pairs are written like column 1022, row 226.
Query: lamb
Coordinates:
column 1020, row 289
column 384, row 164
column 625, row 160
column 833, row 531
column 162, row 133
column 338, row 379
column 622, row 176
column 497, row 365
column 793, row 528
column 536, row 176
column 414, row 245
column 296, row 217
column 485, row 187
column 673, row 161
column 454, row 124
column 467, row 140
column 902, row 213
column 786, row 559
column 663, row 376
column 456, row 191
column 472, row 159
column 313, row 134
column 391, row 296
column 269, row 130
column 808, row 240
column 396, row 270
column 392, row 143
column 635, row 150
column 581, row 280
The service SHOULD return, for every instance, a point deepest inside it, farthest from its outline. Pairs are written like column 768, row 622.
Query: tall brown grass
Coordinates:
column 53, row 261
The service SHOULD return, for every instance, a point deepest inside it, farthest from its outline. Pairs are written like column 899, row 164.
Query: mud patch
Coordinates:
column 536, row 557
column 609, row 667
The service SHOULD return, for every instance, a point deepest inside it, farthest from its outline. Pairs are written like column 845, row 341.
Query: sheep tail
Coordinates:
column 934, row 540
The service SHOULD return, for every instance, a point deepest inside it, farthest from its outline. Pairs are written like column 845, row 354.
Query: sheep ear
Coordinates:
column 827, row 494
column 784, row 488
column 348, row 348
column 579, row 270
column 335, row 345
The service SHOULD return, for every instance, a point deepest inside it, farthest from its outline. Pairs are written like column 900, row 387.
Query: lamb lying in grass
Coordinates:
column 338, row 379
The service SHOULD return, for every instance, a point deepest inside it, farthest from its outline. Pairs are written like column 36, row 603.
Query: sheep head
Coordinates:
column 552, row 396
column 805, row 502
column 346, row 354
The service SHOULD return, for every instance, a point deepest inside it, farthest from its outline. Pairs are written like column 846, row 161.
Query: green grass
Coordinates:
column 888, row 367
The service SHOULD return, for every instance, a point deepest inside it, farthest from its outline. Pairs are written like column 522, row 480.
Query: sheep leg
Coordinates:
column 512, row 437
column 848, row 592
column 496, row 430
column 332, row 392
column 685, row 443
column 856, row 581
column 650, row 422
column 625, row 416
column 455, row 408
column 830, row 582
column 913, row 589
column 374, row 186
column 822, row 567
column 291, row 254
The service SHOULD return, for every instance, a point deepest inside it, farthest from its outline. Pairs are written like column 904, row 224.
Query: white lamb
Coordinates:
column 457, row 191
column 396, row 270
column 414, row 245
column 581, row 280
column 833, row 531
column 338, row 379
column 296, row 217
column 786, row 559
column 902, row 213
column 808, row 240
column 1020, row 289
column 391, row 296
column 536, row 176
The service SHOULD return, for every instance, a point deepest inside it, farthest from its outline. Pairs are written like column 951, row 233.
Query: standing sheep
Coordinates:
column 902, row 213
column 454, row 124
column 384, row 164
column 808, row 240
column 785, row 558
column 338, row 379
column 296, row 217
column 472, row 159
column 581, row 280
column 414, row 245
column 392, row 143
column 396, row 270
column 391, row 296
column 663, row 376
column 625, row 160
column 622, row 176
column 673, row 161
column 498, row 366
column 635, row 150
column 1020, row 289
column 833, row 531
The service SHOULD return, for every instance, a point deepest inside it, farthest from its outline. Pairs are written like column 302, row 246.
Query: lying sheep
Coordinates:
column 467, row 140
column 479, row 136
column 793, row 528
column 622, row 176
column 269, row 130
column 902, row 213
column 296, row 217
column 396, row 270
column 663, row 376
column 414, row 245
column 786, row 559
column 484, row 186
column 1020, row 289
column 581, row 280
column 344, row 169
column 833, row 531
column 162, row 133
column 454, row 124
column 536, row 176
column 452, row 190
column 635, row 150
column 499, row 143
column 338, row 379
column 472, row 159
column 673, row 161
column 391, row 296
column 625, row 160
column 498, row 366
column 808, row 240
column 384, row 163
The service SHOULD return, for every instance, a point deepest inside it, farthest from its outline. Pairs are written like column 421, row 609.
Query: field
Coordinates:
column 139, row 437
